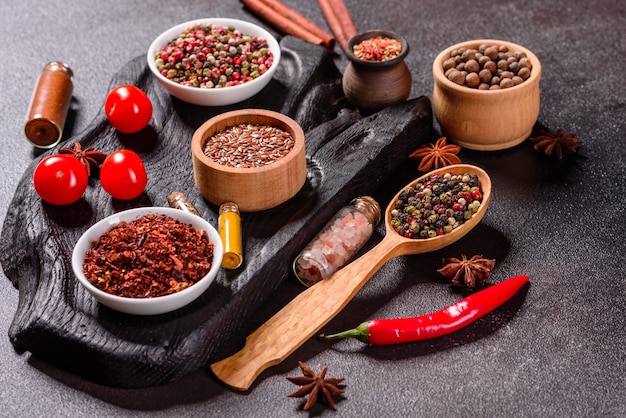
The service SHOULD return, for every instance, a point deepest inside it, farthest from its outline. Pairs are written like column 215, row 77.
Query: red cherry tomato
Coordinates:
column 123, row 175
column 128, row 108
column 60, row 179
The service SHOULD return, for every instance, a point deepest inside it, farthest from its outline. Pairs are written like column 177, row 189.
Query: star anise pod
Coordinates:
column 439, row 154
column 559, row 143
column 313, row 385
column 91, row 158
column 466, row 272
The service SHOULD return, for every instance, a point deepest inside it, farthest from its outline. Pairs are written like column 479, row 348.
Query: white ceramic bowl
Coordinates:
column 147, row 306
column 214, row 96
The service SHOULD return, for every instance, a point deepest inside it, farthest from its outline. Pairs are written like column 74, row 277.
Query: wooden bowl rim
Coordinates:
column 442, row 80
column 200, row 136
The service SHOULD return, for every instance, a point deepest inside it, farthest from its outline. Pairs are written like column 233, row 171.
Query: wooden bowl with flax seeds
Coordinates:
column 253, row 157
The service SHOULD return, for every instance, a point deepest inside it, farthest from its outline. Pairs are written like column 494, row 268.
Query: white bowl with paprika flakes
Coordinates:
column 163, row 259
column 214, row 61
column 486, row 95
column 253, row 157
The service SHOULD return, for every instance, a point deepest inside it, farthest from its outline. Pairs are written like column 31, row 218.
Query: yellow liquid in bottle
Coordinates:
column 230, row 233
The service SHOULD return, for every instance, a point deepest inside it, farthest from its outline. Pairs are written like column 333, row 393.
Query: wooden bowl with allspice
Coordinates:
column 486, row 93
column 255, row 158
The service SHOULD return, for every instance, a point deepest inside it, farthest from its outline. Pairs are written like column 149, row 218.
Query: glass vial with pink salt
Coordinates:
column 338, row 241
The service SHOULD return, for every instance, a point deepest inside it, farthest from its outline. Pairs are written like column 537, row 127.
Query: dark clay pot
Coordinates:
column 373, row 85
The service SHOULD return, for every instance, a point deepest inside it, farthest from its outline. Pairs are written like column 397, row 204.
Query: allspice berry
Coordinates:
column 472, row 80
column 484, row 75
column 505, row 83
column 457, row 77
column 471, row 66
column 449, row 63
column 491, row 66
column 492, row 52
column 524, row 73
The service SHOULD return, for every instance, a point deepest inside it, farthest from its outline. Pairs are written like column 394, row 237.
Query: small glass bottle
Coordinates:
column 178, row 200
column 338, row 241
column 230, row 232
column 49, row 105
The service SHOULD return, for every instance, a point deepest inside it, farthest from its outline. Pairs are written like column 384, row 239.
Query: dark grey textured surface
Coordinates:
column 557, row 352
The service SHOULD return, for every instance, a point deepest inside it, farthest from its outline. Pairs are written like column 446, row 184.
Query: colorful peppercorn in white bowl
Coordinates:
column 214, row 61
column 153, row 238
column 502, row 115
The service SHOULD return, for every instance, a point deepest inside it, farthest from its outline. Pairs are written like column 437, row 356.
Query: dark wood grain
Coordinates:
column 348, row 155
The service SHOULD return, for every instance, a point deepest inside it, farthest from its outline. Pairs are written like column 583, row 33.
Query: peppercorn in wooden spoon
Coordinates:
column 307, row 313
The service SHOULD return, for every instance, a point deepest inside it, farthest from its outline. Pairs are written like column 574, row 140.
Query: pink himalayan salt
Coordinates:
column 333, row 247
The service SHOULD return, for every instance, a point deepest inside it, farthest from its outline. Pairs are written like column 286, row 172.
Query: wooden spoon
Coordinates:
column 307, row 313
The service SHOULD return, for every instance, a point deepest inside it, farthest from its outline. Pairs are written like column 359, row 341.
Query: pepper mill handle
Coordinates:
column 301, row 318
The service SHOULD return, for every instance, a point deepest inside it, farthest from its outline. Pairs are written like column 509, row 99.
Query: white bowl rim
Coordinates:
column 108, row 222
column 164, row 38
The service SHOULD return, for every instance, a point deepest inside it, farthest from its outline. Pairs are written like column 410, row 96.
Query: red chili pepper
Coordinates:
column 445, row 321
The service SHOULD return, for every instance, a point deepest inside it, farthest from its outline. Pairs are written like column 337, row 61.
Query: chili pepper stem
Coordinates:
column 361, row 333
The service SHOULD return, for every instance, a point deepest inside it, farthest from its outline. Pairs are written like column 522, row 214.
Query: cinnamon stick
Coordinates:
column 338, row 19
column 343, row 14
column 290, row 22
column 333, row 21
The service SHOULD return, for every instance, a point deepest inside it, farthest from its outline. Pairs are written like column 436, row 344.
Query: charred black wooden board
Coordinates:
column 57, row 320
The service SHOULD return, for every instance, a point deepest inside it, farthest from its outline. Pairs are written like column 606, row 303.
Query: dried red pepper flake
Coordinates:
column 152, row 256
column 379, row 48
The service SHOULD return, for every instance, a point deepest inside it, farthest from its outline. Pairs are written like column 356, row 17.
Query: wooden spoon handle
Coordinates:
column 300, row 319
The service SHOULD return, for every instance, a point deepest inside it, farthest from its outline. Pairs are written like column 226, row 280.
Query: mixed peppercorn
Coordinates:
column 210, row 56
column 436, row 205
